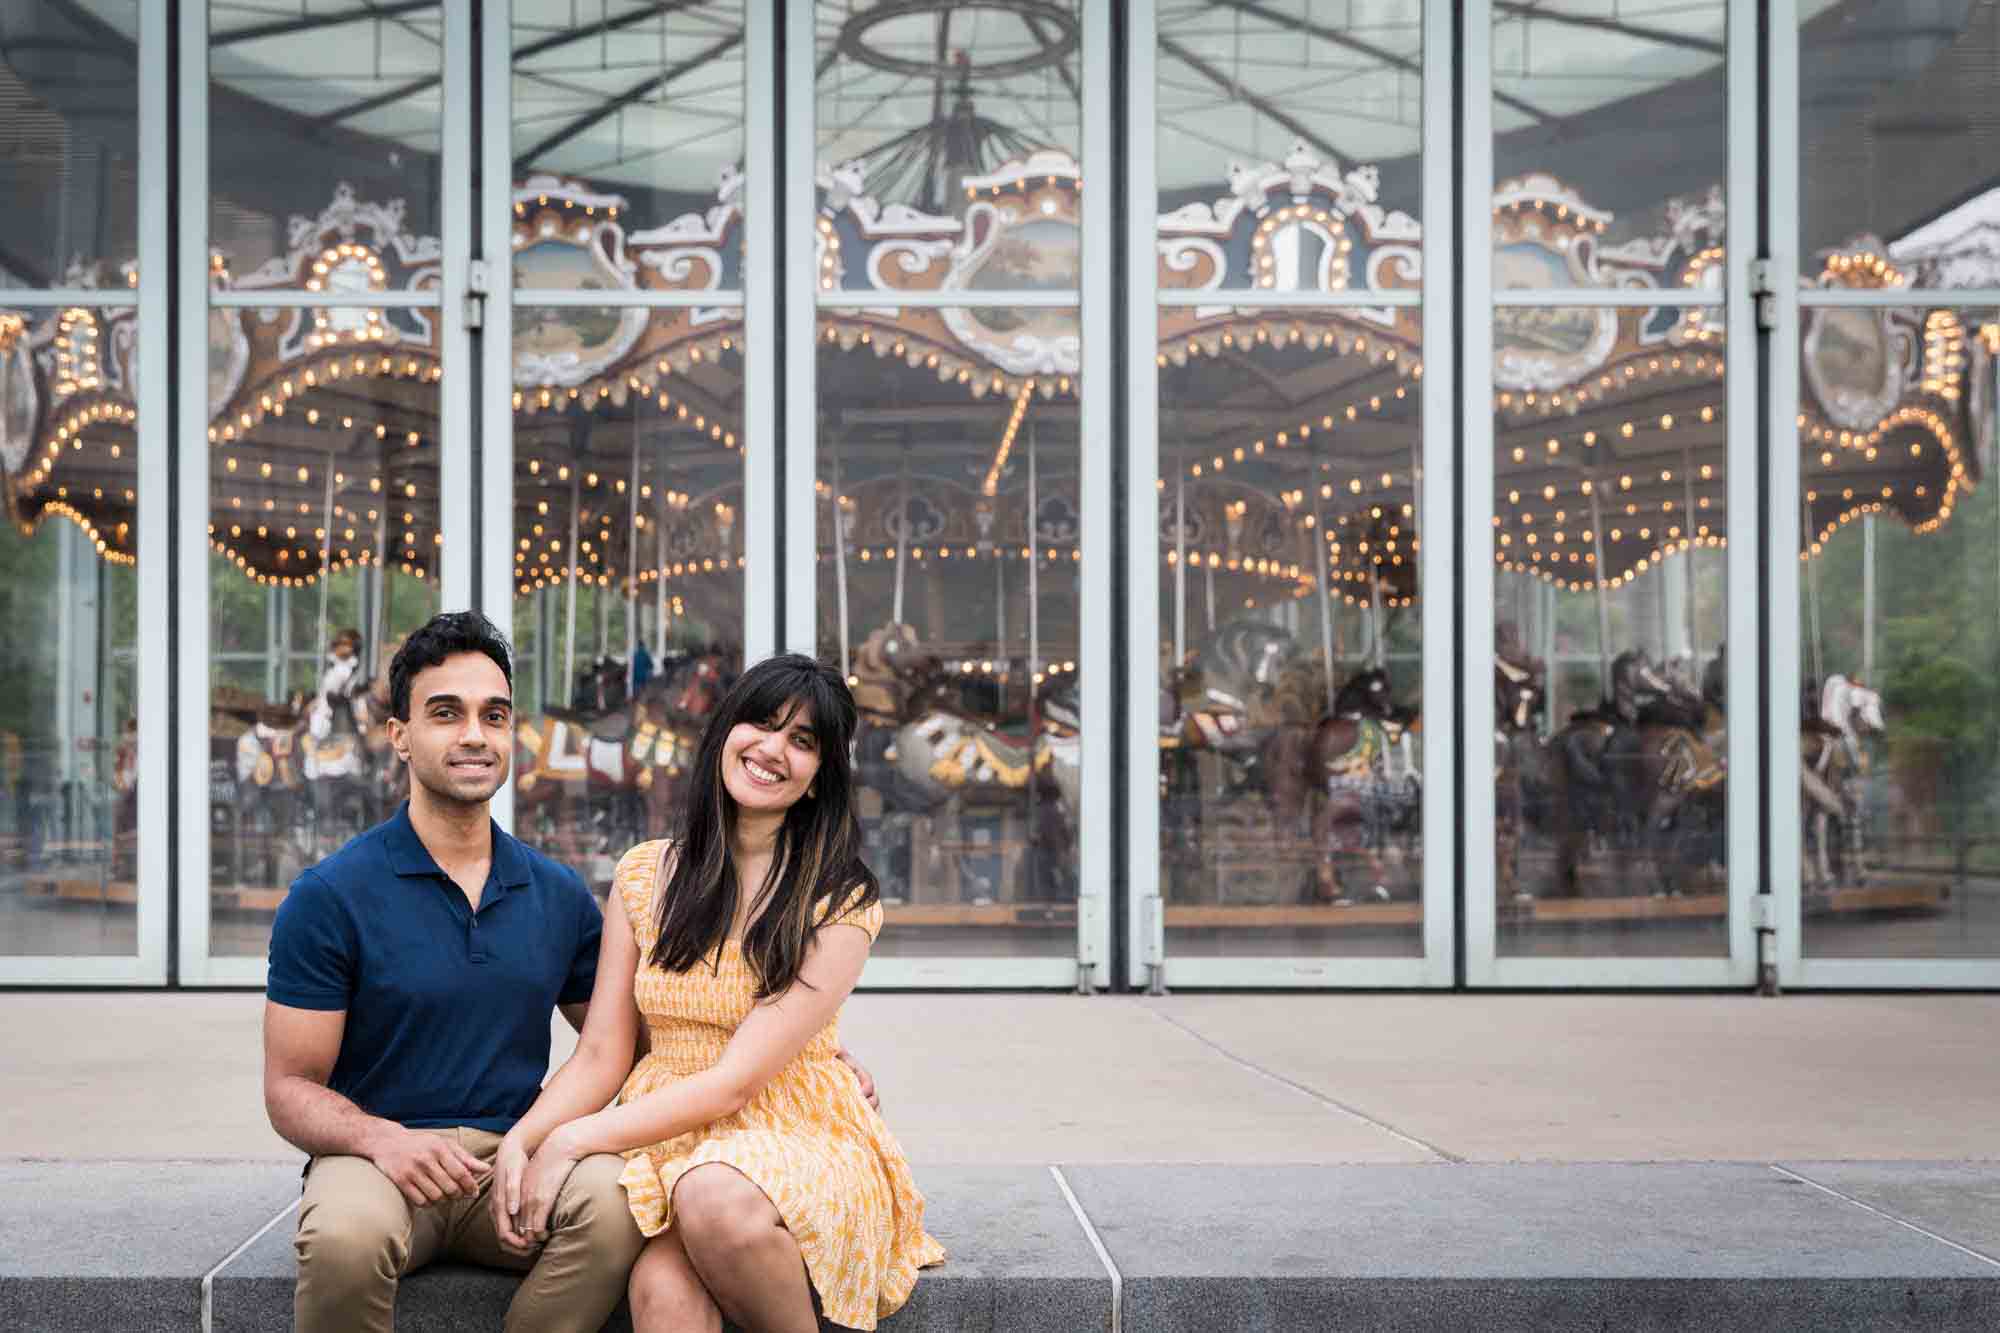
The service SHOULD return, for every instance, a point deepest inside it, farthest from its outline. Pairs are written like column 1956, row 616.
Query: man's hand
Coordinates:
column 427, row 1168
column 510, row 1168
column 866, row 1079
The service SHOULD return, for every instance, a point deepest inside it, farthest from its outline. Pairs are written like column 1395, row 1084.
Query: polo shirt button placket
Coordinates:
column 473, row 952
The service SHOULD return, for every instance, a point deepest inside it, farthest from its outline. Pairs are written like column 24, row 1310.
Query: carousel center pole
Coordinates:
column 1603, row 593
column 632, row 560
column 1687, row 523
column 1316, row 550
column 660, row 579
column 903, row 534
column 1180, row 564
column 325, row 554
column 1868, row 598
column 1818, row 658
column 569, row 606
column 1034, row 569
column 1378, row 649
column 839, row 554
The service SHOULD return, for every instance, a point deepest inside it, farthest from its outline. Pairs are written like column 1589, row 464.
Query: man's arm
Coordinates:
column 300, row 1046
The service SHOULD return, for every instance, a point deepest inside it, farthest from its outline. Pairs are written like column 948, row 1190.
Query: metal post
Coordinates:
column 1034, row 569
column 1603, row 594
column 1180, row 564
column 1868, row 598
column 569, row 608
column 325, row 555
column 839, row 554
column 1317, row 546
column 632, row 561
column 903, row 526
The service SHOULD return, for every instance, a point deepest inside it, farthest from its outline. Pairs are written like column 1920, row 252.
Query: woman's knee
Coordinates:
column 717, row 1207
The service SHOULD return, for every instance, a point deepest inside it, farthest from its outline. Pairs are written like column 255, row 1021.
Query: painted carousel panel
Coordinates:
column 69, row 764
column 1291, row 652
column 949, row 531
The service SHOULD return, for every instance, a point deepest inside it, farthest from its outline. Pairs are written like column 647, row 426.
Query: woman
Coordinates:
column 764, row 1181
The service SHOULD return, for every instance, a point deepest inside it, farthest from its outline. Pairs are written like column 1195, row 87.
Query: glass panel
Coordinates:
column 1897, row 140
column 628, row 559
column 68, row 591
column 1610, row 603
column 970, row 114
column 312, row 106
column 1290, row 479
column 1901, row 641
column 1290, row 140
column 631, row 121
column 1610, row 123
column 323, row 522
column 71, row 169
column 950, row 598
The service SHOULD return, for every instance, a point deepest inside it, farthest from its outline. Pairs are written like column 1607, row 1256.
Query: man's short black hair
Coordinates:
column 445, row 635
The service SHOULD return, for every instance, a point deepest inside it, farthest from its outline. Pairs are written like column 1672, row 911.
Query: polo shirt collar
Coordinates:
column 409, row 856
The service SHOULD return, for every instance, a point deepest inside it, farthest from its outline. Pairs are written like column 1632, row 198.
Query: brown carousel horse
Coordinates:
column 1355, row 772
column 616, row 775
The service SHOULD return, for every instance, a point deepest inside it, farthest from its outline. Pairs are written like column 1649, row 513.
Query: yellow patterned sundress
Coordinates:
column 809, row 1140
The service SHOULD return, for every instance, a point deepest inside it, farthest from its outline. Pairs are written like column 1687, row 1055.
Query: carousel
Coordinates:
column 948, row 521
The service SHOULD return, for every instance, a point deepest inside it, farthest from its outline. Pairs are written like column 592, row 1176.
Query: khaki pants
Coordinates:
column 358, row 1237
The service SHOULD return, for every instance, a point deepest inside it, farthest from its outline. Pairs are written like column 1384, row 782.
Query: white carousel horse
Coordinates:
column 1832, row 764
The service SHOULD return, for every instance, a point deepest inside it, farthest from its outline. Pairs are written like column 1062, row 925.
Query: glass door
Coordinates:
column 1609, row 489
column 1885, row 737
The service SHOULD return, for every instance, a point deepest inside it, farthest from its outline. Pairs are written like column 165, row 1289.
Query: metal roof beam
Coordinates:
column 313, row 22
column 1663, row 36
column 637, row 91
column 1237, row 90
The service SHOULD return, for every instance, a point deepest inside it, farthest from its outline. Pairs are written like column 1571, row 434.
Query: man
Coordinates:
column 406, row 1024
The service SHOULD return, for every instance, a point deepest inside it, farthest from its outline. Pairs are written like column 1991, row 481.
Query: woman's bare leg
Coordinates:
column 666, row 1293
column 738, row 1244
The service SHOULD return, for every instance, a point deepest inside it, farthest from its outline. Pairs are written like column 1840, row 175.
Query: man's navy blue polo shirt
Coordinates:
column 447, row 1010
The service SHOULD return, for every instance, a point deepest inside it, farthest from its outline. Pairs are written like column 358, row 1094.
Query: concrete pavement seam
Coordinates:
column 1300, row 1088
column 1885, row 1215
column 208, row 1278
column 1096, row 1243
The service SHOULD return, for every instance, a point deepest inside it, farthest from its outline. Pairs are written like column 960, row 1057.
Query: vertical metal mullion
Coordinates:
column 1095, row 391
column 1475, row 472
column 155, row 472
column 1781, row 526
column 1440, row 649
column 1741, row 488
column 496, row 339
column 762, row 199
column 190, row 543
column 1145, row 910
column 801, row 329
column 457, row 446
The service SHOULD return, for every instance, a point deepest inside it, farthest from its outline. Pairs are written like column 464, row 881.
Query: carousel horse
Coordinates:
column 1521, row 796
column 270, row 787
column 921, row 751
column 617, row 774
column 125, row 818
column 1832, row 766
column 1361, row 759
column 340, row 771
column 1642, row 771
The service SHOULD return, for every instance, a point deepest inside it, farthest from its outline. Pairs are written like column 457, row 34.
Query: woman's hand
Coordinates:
column 861, row 1075
column 510, row 1169
column 544, row 1178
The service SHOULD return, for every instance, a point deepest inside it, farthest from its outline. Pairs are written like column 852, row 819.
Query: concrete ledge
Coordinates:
column 105, row 1247
column 1500, row 1248
column 1018, row 1261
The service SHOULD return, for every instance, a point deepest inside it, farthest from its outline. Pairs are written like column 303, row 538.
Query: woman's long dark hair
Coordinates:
column 817, row 859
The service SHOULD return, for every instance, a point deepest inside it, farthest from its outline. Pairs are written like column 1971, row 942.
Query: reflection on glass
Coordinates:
column 1620, row 114
column 1290, row 821
column 1290, row 145
column 1896, row 139
column 936, row 106
column 627, row 120
column 1610, row 452
column 71, row 170
column 69, row 595
column 304, row 102
column 628, row 568
column 948, row 554
column 323, row 528
column 1899, row 653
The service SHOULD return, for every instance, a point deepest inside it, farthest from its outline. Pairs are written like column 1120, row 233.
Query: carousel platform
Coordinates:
column 1260, row 1162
